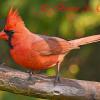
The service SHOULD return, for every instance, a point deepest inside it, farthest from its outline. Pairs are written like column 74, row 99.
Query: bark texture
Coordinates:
column 41, row 86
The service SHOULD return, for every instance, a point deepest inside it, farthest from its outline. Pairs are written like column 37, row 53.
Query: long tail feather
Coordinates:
column 85, row 40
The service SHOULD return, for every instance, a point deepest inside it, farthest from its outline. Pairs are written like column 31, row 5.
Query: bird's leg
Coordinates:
column 30, row 74
column 57, row 77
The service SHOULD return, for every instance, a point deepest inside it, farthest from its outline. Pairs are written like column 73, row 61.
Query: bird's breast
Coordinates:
column 31, row 59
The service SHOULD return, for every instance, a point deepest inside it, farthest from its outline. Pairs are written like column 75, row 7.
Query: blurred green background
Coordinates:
column 49, row 17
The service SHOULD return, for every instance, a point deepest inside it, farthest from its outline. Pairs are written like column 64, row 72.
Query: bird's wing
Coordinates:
column 51, row 45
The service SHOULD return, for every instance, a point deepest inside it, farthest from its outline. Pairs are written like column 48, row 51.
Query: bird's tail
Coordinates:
column 85, row 40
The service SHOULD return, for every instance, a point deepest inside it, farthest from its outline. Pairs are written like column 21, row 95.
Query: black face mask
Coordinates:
column 9, row 34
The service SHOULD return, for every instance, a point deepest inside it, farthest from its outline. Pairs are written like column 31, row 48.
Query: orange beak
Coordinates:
column 3, row 35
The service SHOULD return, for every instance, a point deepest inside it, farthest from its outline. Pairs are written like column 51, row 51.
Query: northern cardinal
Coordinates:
column 37, row 52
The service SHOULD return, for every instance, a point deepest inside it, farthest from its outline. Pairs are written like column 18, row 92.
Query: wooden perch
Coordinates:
column 43, row 87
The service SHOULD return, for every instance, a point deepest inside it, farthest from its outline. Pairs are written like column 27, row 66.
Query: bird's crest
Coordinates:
column 13, row 20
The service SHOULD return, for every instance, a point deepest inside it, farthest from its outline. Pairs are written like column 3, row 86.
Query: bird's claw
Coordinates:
column 57, row 80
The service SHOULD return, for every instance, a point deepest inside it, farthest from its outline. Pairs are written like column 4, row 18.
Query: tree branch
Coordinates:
column 42, row 86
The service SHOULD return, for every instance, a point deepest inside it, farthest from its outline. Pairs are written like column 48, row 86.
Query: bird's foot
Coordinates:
column 30, row 76
column 57, row 80
column 37, row 77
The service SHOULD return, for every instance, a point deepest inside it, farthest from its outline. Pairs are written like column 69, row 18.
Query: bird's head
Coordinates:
column 13, row 24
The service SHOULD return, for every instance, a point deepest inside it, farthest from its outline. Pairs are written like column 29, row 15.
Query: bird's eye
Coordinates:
column 9, row 32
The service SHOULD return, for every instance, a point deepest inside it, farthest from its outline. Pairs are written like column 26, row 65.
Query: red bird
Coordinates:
column 37, row 52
